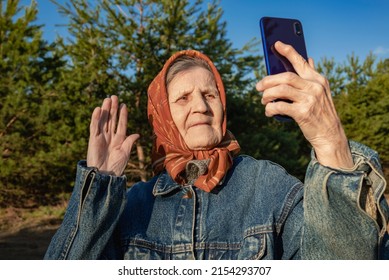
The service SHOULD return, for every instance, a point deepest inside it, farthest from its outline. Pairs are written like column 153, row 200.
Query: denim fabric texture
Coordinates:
column 334, row 215
column 258, row 212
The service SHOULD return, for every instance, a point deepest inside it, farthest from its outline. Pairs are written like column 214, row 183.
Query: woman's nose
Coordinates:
column 200, row 104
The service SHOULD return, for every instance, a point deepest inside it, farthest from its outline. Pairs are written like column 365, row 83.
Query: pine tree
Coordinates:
column 29, row 67
column 361, row 98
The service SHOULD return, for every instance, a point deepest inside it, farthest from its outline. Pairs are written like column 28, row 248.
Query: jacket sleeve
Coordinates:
column 345, row 211
column 93, row 212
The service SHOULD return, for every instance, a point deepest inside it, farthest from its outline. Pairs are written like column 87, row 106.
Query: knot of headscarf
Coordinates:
column 170, row 151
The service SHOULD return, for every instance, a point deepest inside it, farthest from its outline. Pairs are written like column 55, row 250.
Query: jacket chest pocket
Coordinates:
column 257, row 244
column 253, row 247
column 141, row 249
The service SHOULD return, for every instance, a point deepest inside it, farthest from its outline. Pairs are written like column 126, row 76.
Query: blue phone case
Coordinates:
column 289, row 31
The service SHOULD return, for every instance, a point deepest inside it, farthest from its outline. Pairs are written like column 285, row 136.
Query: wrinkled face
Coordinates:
column 196, row 108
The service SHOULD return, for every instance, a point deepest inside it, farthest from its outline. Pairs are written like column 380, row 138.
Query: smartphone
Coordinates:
column 288, row 31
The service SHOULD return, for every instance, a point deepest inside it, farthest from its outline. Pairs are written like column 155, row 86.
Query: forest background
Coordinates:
column 49, row 89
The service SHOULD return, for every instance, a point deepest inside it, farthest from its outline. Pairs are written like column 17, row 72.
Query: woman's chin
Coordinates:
column 202, row 137
column 202, row 141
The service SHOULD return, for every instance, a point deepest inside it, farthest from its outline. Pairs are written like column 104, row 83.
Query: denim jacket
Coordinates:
column 258, row 212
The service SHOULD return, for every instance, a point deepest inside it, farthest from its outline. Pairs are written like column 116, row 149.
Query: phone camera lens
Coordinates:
column 297, row 29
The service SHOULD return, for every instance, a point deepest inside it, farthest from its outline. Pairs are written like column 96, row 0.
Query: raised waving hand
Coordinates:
column 109, row 146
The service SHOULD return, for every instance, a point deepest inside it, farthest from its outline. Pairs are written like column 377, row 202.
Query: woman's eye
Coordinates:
column 210, row 96
column 182, row 98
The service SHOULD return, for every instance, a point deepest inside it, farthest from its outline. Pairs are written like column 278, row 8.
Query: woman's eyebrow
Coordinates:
column 185, row 91
column 210, row 88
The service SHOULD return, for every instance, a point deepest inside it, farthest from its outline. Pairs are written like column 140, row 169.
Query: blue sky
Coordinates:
column 333, row 28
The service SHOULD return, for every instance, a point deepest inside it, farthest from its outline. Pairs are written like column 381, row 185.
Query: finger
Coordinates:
column 122, row 124
column 301, row 66
column 113, row 113
column 94, row 124
column 126, row 148
column 283, row 92
column 129, row 142
column 104, row 118
column 278, row 108
column 288, row 78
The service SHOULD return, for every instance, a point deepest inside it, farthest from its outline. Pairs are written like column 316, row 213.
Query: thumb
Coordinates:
column 298, row 62
column 127, row 144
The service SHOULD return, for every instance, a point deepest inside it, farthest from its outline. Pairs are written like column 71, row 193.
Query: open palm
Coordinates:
column 109, row 146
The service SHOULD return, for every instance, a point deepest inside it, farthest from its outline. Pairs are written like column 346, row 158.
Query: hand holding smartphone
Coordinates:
column 288, row 31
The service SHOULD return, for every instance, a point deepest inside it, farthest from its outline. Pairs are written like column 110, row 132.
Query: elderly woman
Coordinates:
column 208, row 202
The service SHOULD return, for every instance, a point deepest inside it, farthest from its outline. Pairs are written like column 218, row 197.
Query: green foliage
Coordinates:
column 362, row 101
column 32, row 152
column 365, row 112
column 334, row 73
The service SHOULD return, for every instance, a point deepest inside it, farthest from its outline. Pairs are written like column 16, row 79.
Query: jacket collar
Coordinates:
column 165, row 184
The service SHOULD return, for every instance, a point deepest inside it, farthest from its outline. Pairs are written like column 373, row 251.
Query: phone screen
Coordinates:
column 288, row 31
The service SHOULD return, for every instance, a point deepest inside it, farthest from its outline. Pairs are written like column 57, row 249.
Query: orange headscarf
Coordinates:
column 169, row 149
